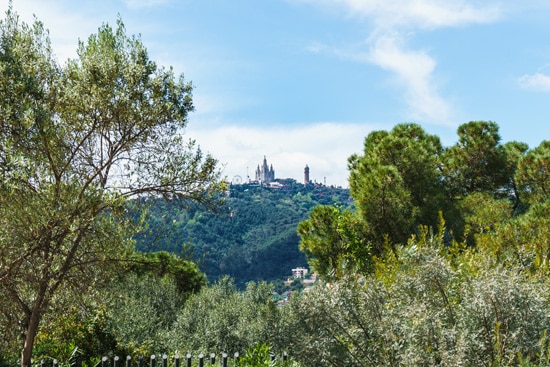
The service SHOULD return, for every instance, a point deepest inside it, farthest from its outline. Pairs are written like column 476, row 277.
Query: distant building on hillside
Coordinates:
column 264, row 173
column 299, row 272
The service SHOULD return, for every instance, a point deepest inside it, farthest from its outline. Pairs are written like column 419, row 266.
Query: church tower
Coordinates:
column 306, row 175
column 264, row 173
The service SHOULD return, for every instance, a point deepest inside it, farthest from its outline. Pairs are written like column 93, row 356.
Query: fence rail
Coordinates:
column 153, row 360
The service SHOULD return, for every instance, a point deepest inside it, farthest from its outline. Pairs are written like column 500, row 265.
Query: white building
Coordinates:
column 299, row 272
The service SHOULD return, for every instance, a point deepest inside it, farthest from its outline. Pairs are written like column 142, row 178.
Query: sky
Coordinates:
column 303, row 82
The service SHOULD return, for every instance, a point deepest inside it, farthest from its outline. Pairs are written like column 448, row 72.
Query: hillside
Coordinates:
column 252, row 236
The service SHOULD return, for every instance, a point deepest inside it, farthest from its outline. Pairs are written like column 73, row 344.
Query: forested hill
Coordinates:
column 252, row 236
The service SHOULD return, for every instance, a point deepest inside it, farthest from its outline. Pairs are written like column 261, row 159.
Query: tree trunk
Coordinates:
column 33, row 322
column 30, row 334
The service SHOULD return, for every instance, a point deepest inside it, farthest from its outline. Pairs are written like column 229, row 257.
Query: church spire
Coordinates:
column 265, row 173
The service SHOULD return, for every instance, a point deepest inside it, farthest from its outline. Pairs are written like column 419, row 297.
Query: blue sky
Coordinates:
column 305, row 81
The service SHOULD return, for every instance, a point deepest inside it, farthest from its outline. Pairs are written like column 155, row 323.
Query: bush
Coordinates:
column 222, row 318
column 426, row 308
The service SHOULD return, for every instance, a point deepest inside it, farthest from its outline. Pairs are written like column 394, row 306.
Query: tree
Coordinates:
column 76, row 143
column 396, row 182
column 427, row 306
column 221, row 318
column 523, row 240
column 533, row 174
column 334, row 241
column 514, row 152
column 477, row 162
column 185, row 274
column 126, row 317
column 483, row 213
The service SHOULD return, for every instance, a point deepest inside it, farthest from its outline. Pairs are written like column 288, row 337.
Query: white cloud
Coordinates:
column 413, row 69
column 414, row 13
column 421, row 13
column 324, row 147
column 538, row 82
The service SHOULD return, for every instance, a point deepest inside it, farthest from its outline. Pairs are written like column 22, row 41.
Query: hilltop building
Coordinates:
column 265, row 176
column 264, row 173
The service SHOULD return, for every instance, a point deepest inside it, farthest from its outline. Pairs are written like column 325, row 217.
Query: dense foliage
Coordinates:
column 405, row 179
column 471, row 290
column 76, row 142
column 251, row 236
column 129, row 316
column 430, row 305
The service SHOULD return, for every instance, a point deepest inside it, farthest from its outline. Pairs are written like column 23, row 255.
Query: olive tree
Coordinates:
column 77, row 141
column 221, row 318
column 430, row 305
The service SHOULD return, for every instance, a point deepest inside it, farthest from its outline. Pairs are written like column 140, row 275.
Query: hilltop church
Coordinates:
column 264, row 173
